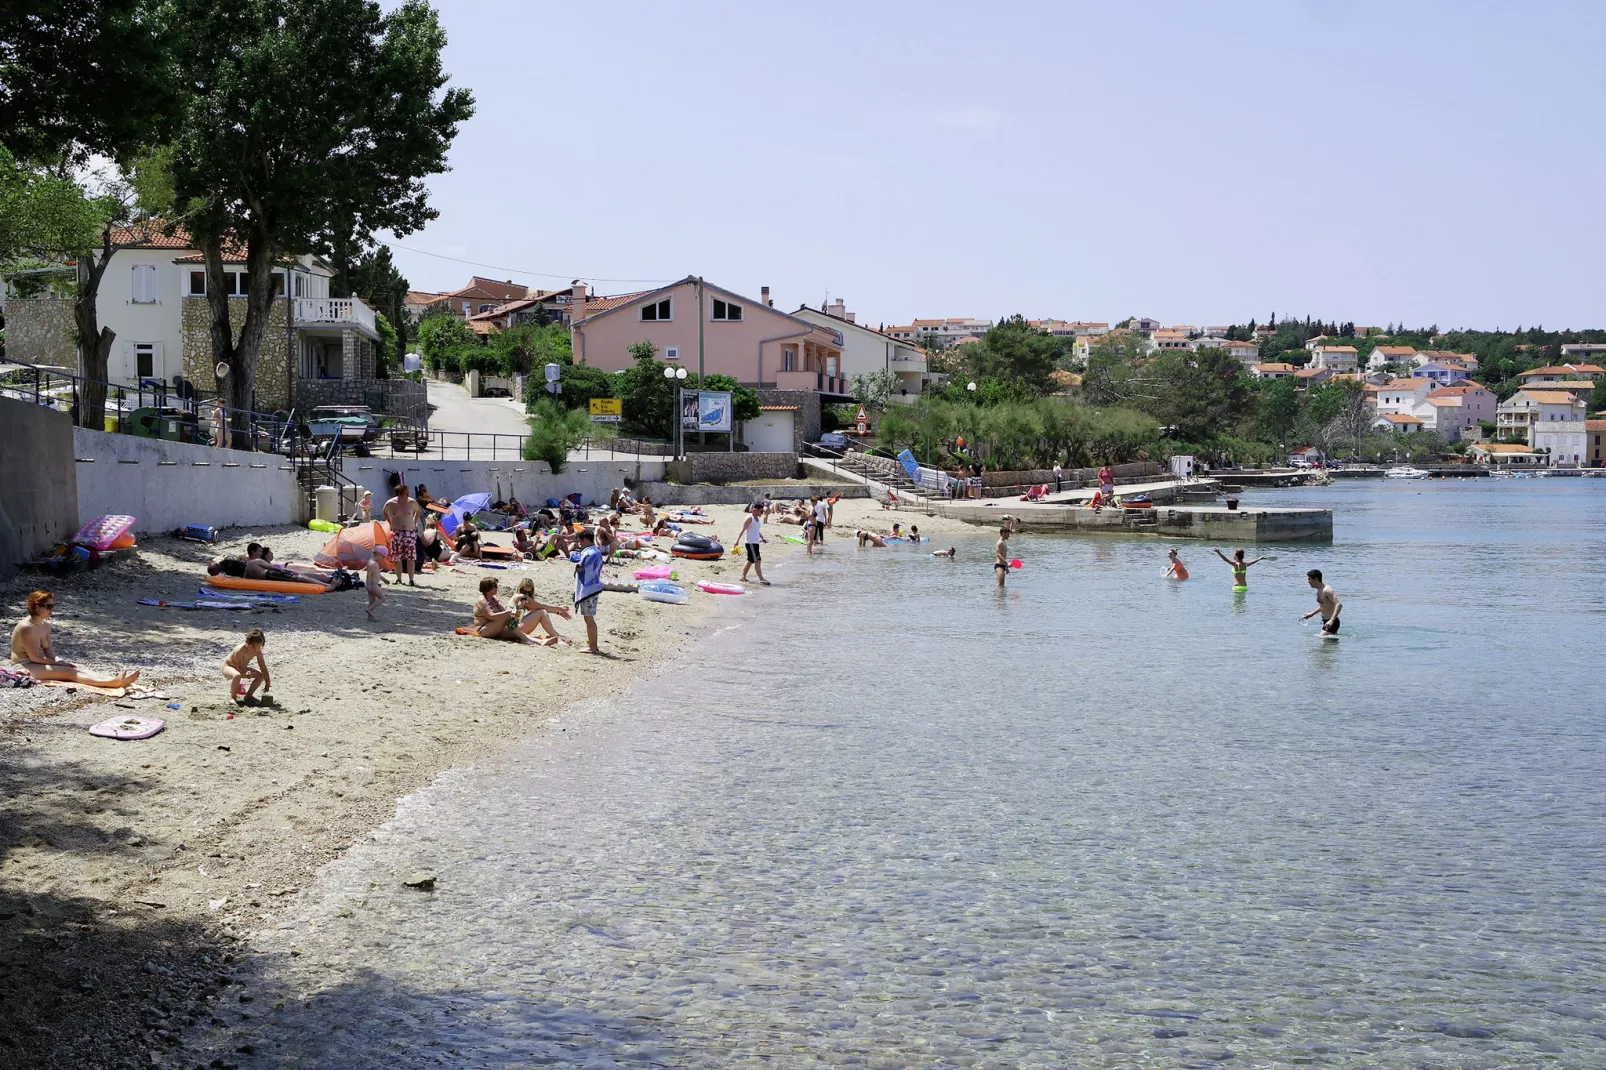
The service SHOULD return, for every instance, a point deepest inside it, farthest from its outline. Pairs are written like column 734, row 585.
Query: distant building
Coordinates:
column 1397, row 421
column 1455, row 411
column 1587, row 352
column 1248, row 353
column 1442, row 372
column 1172, row 338
column 1276, row 370
column 1504, row 454
column 1309, row 377
column 1382, row 356
column 1558, row 373
column 949, row 331
column 1595, row 430
column 1550, row 420
column 865, row 349
column 1334, row 358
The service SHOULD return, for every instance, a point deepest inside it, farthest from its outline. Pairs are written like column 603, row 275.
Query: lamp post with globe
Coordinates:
column 675, row 375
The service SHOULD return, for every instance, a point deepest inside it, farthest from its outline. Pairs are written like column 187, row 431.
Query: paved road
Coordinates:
column 454, row 410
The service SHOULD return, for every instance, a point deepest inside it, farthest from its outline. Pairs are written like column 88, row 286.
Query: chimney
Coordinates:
column 837, row 309
column 853, row 317
column 764, row 296
column 577, row 301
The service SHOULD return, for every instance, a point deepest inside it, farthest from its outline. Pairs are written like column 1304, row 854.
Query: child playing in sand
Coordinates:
column 529, row 612
column 374, row 580
column 237, row 668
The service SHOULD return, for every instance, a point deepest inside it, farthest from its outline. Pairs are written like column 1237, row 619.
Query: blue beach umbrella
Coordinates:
column 466, row 506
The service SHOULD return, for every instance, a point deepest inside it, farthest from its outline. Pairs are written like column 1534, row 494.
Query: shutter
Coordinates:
column 145, row 284
column 158, row 369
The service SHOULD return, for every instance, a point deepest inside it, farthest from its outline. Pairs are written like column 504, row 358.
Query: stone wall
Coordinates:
column 39, row 506
column 704, row 494
column 731, row 467
column 806, row 426
column 531, row 481
column 1133, row 472
column 401, row 398
column 39, row 330
column 165, row 485
column 273, row 369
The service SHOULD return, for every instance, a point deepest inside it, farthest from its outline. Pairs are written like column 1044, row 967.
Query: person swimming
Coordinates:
column 1240, row 568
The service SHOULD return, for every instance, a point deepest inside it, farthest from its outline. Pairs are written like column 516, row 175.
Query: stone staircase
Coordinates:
column 877, row 473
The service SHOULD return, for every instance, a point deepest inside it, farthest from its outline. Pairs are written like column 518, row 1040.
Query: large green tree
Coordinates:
column 306, row 124
column 1199, row 393
column 1015, row 351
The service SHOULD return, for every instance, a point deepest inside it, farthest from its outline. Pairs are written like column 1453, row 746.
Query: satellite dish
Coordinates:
column 222, row 370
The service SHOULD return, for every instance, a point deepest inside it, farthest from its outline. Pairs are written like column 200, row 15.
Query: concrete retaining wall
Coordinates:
column 731, row 467
column 530, row 481
column 705, row 494
column 165, row 485
column 38, row 486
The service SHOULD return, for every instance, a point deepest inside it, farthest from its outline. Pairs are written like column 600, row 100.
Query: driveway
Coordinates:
column 454, row 410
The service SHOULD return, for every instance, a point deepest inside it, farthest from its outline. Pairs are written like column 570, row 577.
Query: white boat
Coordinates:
column 1406, row 471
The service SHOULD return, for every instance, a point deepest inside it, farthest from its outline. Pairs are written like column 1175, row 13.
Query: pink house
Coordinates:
column 750, row 341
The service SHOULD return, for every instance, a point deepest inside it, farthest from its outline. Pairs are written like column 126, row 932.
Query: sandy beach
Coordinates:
column 128, row 870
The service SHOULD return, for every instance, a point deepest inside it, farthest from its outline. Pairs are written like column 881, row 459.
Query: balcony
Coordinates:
column 343, row 313
column 902, row 363
column 819, row 382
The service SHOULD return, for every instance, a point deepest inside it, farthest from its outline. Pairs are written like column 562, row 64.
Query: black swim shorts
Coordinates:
column 1330, row 627
column 752, row 551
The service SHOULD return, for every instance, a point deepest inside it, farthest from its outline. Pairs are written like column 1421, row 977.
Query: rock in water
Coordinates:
column 423, row 880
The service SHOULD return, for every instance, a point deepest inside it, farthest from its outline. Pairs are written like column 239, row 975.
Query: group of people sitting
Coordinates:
column 867, row 537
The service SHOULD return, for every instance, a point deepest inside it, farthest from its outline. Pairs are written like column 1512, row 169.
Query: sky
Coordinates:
column 1378, row 161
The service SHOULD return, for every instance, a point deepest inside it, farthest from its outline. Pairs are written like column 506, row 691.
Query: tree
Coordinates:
column 648, row 398
column 1108, row 379
column 1200, row 393
column 1279, row 409
column 373, row 277
column 874, row 389
column 440, row 333
column 307, row 125
column 555, row 430
column 1015, row 350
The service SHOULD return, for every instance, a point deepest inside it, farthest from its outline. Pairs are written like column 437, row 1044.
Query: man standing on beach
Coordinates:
column 821, row 515
column 1001, row 556
column 588, row 585
column 1327, row 603
column 750, row 536
column 401, row 513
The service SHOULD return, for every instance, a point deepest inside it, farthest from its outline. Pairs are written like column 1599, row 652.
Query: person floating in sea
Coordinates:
column 1001, row 555
column 948, row 553
column 238, row 668
column 1328, row 603
column 33, row 650
column 1240, row 568
column 1176, row 570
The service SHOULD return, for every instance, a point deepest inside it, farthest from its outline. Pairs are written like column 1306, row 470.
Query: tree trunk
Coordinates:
column 238, row 352
column 95, row 340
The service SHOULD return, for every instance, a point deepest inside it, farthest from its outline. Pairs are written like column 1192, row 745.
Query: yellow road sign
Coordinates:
column 607, row 407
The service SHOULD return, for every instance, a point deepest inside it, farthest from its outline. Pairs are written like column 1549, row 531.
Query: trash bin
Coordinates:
column 111, row 422
column 327, row 504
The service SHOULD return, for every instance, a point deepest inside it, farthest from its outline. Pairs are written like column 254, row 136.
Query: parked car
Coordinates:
column 354, row 423
column 495, row 392
column 833, row 441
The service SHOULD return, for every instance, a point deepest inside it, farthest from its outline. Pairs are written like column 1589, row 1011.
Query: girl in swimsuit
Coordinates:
column 1240, row 568
column 33, row 651
column 1176, row 570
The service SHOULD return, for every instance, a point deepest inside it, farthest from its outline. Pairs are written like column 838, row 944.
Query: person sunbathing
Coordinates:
column 523, row 543
column 492, row 620
column 468, row 540
column 32, row 649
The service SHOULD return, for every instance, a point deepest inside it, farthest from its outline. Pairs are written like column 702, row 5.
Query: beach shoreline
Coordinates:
column 137, row 869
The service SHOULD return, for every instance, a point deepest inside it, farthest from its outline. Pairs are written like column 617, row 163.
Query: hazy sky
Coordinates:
column 1202, row 163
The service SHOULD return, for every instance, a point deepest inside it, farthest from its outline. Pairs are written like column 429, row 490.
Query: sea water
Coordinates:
column 889, row 816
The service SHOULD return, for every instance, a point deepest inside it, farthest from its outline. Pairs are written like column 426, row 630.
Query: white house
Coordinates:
column 865, row 349
column 1556, row 373
column 1397, row 421
column 1548, row 419
column 1583, row 352
column 1403, row 395
column 1334, row 358
column 1309, row 377
column 1247, row 353
column 1274, row 370
column 1382, row 356
column 1504, row 454
column 1172, row 338
column 1303, row 455
column 1442, row 372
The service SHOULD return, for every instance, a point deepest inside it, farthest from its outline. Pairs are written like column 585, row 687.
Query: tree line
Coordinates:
column 264, row 129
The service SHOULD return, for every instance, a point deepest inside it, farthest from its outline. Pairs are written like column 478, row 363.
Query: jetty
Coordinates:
column 1182, row 521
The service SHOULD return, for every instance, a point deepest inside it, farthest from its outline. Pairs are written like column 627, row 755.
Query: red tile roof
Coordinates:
column 149, row 236
column 1400, row 418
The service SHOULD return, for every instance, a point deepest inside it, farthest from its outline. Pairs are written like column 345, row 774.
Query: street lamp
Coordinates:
column 675, row 374
column 970, row 387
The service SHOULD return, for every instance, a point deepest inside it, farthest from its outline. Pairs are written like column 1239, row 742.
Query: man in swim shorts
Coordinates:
column 1327, row 603
column 1001, row 555
column 401, row 512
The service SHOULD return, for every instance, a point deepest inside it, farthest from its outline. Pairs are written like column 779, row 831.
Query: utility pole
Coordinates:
column 702, row 436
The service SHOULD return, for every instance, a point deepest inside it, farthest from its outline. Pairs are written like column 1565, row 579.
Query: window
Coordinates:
column 278, row 284
column 144, row 287
column 789, row 360
column 485, row 308
column 300, row 285
column 242, row 283
column 144, row 359
column 197, row 284
column 658, row 310
column 724, row 310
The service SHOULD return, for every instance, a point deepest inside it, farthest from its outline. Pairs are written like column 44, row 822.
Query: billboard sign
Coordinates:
column 714, row 410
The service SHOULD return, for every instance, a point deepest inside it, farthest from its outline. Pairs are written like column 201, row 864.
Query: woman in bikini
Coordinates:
column 33, row 651
column 1240, row 568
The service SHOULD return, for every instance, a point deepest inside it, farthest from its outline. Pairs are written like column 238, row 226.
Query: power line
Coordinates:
column 503, row 267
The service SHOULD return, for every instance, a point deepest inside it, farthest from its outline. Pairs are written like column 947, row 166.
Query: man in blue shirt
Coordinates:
column 588, row 585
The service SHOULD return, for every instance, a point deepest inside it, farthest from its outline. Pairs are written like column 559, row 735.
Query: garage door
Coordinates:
column 770, row 433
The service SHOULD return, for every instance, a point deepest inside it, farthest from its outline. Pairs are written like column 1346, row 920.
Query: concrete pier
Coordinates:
column 1211, row 522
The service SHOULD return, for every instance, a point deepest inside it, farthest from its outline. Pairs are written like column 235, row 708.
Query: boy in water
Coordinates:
column 948, row 553
column 1001, row 555
column 1327, row 603
column 237, row 668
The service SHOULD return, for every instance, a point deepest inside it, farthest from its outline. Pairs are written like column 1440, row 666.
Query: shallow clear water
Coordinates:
column 896, row 819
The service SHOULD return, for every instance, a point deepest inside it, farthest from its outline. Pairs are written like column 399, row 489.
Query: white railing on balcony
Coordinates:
column 335, row 311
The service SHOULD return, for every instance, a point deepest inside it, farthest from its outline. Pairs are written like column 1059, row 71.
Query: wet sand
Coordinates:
column 129, row 870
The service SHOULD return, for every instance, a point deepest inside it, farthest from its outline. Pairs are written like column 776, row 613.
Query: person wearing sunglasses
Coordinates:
column 33, row 651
